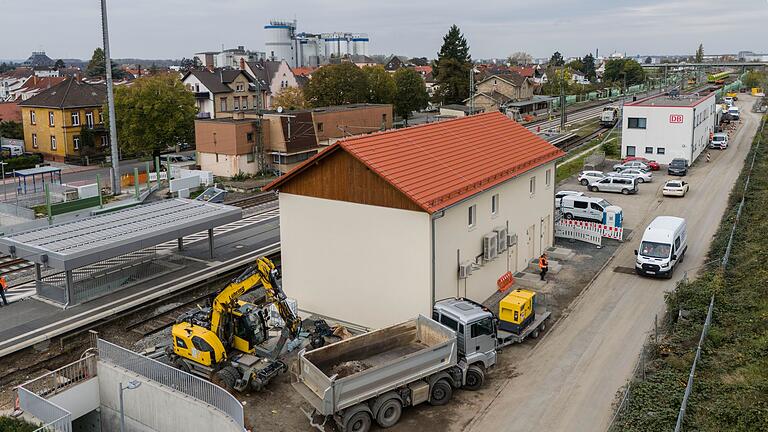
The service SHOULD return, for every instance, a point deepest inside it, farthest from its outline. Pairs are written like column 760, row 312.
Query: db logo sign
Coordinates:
column 675, row 118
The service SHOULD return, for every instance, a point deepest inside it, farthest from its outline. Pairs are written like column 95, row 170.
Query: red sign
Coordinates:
column 675, row 118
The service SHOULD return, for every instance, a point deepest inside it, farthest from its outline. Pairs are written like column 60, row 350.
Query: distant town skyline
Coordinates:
column 174, row 29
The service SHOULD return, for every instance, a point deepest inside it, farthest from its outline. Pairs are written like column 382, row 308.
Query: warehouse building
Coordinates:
column 376, row 228
column 665, row 127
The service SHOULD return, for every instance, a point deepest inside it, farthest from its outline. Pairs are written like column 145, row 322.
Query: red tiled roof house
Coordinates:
column 375, row 229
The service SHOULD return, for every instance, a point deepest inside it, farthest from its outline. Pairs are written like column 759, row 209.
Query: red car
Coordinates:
column 652, row 164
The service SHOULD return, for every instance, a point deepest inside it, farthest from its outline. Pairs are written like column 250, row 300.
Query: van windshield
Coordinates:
column 655, row 250
column 603, row 203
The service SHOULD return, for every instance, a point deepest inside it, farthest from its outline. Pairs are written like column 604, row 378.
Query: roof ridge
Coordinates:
column 66, row 93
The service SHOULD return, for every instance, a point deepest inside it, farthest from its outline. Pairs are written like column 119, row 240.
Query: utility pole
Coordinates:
column 471, row 89
column 110, row 103
column 562, row 101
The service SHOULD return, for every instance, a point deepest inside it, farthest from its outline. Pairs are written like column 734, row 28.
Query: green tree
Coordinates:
column 411, row 94
column 290, row 98
column 338, row 84
column 589, row 69
column 519, row 58
column 419, row 61
column 556, row 59
column 648, row 60
column 154, row 113
column 11, row 129
column 575, row 65
column 616, row 69
column 451, row 70
column 5, row 67
column 699, row 57
column 558, row 79
column 754, row 79
column 97, row 66
column 381, row 85
column 59, row 64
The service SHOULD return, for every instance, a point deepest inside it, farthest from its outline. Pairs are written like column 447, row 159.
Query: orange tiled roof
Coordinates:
column 440, row 164
column 303, row 70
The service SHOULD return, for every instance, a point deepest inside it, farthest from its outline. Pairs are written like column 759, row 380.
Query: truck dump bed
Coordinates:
column 342, row 374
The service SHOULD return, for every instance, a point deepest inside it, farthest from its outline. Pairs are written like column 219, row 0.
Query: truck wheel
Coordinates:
column 226, row 377
column 358, row 422
column 475, row 378
column 440, row 393
column 389, row 413
column 535, row 334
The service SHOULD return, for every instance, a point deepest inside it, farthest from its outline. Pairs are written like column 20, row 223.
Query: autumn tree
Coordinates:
column 290, row 98
column 338, row 84
column 411, row 94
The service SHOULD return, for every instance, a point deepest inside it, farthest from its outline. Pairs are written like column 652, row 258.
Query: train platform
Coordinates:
column 36, row 319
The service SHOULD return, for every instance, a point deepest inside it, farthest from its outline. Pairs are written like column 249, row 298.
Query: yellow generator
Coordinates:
column 516, row 311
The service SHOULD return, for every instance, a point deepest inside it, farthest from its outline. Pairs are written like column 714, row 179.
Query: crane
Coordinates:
column 229, row 341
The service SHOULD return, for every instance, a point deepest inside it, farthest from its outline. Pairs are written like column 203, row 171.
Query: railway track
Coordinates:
column 10, row 265
column 253, row 201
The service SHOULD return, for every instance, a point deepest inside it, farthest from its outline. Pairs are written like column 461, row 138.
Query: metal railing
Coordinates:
column 173, row 378
column 55, row 418
column 56, row 381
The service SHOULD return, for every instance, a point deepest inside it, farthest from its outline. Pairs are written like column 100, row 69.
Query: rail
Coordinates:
column 56, row 418
column 173, row 378
column 61, row 379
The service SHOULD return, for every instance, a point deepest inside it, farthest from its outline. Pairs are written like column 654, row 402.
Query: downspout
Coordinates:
column 693, row 136
column 433, row 217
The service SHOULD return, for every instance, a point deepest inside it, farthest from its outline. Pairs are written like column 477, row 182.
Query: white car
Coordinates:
column 631, row 164
column 719, row 141
column 587, row 177
column 675, row 188
column 559, row 196
column 641, row 175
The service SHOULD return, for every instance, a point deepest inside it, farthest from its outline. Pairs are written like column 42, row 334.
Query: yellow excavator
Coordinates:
column 228, row 343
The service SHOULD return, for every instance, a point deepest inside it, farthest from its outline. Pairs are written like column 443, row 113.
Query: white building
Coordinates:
column 663, row 127
column 377, row 228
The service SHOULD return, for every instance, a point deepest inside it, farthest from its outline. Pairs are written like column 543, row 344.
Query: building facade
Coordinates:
column 663, row 127
column 222, row 91
column 228, row 146
column 415, row 215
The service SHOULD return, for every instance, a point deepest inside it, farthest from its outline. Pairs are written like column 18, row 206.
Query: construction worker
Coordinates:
column 543, row 265
column 3, row 287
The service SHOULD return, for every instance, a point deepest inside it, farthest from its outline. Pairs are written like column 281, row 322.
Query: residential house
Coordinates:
column 494, row 92
column 395, row 62
column 11, row 80
column 65, row 121
column 416, row 215
column 335, row 122
column 33, row 86
column 222, row 91
column 579, row 78
column 228, row 146
column 276, row 75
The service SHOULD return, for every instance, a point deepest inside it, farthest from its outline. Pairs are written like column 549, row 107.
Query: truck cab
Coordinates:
column 475, row 328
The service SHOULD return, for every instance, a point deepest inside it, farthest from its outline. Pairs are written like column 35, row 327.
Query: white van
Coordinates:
column 734, row 112
column 584, row 207
column 664, row 244
column 12, row 150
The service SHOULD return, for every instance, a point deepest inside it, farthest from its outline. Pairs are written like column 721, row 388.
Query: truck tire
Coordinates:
column 535, row 334
column 389, row 413
column 475, row 378
column 358, row 421
column 226, row 377
column 440, row 393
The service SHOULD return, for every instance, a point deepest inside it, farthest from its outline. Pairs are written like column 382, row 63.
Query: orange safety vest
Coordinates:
column 3, row 283
column 543, row 263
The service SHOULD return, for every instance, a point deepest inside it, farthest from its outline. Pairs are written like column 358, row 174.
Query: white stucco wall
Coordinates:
column 529, row 216
column 283, row 75
column 362, row 264
column 227, row 165
column 203, row 105
column 684, row 140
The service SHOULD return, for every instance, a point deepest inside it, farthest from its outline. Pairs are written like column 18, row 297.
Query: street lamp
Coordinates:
column 131, row 385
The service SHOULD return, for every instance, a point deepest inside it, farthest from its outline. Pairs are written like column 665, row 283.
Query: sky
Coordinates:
column 161, row 29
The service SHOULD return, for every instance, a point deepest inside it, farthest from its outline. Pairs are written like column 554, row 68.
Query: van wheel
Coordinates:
column 389, row 413
column 625, row 191
column 584, row 182
column 594, row 189
column 441, row 393
column 568, row 216
column 475, row 378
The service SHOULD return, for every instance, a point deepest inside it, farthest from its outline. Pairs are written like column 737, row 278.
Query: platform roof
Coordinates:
column 38, row 170
column 79, row 243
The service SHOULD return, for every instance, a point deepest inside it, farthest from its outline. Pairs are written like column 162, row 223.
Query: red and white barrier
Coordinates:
column 603, row 230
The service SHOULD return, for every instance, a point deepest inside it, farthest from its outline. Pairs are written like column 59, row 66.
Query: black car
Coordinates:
column 678, row 167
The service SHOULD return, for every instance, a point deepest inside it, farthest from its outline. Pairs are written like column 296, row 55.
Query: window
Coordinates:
column 472, row 216
column 250, row 157
column 660, row 150
column 200, row 344
column 101, row 117
column 482, row 327
column 276, row 159
column 104, row 141
column 320, row 127
column 34, row 140
column 76, row 142
column 53, row 142
column 244, row 102
column 630, row 151
column 237, row 104
column 180, row 343
column 636, row 122
column 548, row 178
column 223, row 104
column 89, row 119
column 449, row 322
column 249, row 136
column 50, row 118
column 649, row 150
column 495, row 205
column 532, row 186
column 594, row 206
column 75, row 118
column 580, row 204
column 217, row 158
column 197, row 88
column 32, row 117
column 677, row 243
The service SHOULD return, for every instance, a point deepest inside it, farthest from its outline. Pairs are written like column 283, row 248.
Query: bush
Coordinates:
column 611, row 149
column 9, row 424
column 21, row 162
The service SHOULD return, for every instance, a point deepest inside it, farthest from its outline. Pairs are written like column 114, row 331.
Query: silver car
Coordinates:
column 631, row 164
column 624, row 185
column 640, row 175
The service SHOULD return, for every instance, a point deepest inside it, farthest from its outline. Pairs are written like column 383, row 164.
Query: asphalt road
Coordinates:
column 568, row 382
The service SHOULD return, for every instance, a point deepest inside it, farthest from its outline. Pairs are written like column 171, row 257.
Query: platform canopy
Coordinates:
column 76, row 244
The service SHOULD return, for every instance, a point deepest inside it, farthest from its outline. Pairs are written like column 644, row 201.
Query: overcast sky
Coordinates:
column 493, row 28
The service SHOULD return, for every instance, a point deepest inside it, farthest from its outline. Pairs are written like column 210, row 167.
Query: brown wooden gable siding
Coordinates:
column 341, row 177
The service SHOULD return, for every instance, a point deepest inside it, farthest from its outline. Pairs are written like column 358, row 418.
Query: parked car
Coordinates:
column 719, row 141
column 631, row 164
column 675, row 188
column 728, row 100
column 678, row 166
column 652, row 164
column 733, row 111
column 587, row 177
column 625, row 185
column 584, row 207
column 642, row 176
column 559, row 196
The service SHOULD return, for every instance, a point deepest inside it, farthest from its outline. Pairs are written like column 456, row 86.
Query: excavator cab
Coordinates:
column 197, row 344
column 250, row 327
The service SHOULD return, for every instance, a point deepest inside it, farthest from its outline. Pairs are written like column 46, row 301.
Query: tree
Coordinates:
column 754, row 79
column 5, row 67
column 59, row 64
column 616, row 69
column 575, row 65
column 290, row 98
column 699, row 57
column 648, row 60
column 186, row 64
column 153, row 114
column 589, row 67
column 381, row 85
column 338, row 84
column 556, row 59
column 153, row 69
column 558, row 79
column 419, row 61
column 519, row 58
column 97, row 66
column 11, row 129
column 451, row 70
column 411, row 94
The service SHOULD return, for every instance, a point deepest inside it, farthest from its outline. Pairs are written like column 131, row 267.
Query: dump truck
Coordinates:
column 370, row 378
